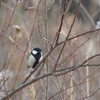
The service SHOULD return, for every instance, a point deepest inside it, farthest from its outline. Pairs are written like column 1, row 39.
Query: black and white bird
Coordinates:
column 34, row 57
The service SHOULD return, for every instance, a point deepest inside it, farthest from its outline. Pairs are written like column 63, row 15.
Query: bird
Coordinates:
column 34, row 57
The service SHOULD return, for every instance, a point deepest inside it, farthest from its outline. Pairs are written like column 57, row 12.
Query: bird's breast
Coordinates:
column 31, row 60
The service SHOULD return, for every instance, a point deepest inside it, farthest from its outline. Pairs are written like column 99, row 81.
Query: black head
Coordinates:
column 37, row 49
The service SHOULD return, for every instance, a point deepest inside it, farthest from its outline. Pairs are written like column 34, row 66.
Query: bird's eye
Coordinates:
column 34, row 52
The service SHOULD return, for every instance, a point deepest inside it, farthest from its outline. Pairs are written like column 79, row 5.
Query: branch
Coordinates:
column 49, row 52
column 68, row 34
column 61, row 22
column 91, row 31
column 74, row 68
column 11, row 16
column 89, row 95
column 48, row 74
column 76, row 49
column 26, row 84
column 26, row 47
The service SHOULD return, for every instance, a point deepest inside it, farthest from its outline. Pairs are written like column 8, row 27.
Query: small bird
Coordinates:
column 34, row 57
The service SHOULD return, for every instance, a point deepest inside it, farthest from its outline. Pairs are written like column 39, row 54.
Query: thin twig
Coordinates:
column 67, row 35
column 43, row 76
column 97, row 55
column 76, row 49
column 3, row 67
column 4, row 82
column 49, row 52
column 12, row 16
column 43, row 38
column 90, row 95
column 26, row 47
column 85, row 33
column 61, row 22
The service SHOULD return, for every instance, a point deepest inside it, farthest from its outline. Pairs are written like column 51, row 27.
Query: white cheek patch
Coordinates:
column 34, row 52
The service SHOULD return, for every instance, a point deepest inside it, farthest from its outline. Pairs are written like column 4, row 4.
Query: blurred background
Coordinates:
column 25, row 24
